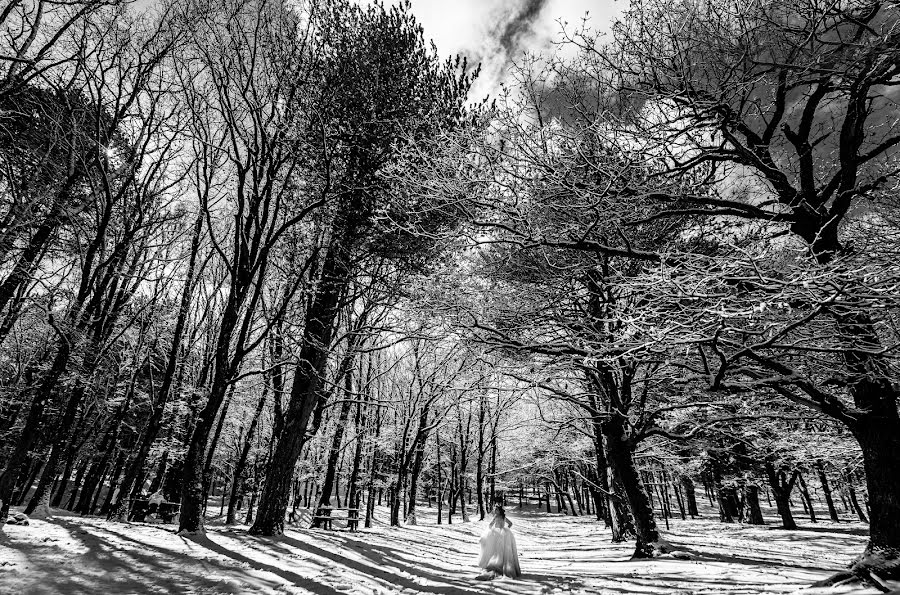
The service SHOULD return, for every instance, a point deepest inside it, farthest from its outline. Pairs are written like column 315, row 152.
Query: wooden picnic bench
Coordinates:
column 325, row 516
column 142, row 507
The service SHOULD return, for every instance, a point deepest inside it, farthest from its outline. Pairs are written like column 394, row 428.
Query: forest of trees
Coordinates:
column 264, row 255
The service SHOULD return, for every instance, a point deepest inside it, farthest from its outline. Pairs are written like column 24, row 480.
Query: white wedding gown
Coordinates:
column 498, row 550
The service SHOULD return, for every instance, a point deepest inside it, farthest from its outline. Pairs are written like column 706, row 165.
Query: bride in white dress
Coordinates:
column 498, row 548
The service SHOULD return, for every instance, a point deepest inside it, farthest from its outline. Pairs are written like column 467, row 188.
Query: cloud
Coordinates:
column 495, row 33
column 521, row 18
column 508, row 29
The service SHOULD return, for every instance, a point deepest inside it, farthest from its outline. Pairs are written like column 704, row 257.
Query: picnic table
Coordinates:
column 325, row 516
column 141, row 508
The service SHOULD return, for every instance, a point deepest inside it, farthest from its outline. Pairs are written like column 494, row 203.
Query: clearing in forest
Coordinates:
column 559, row 554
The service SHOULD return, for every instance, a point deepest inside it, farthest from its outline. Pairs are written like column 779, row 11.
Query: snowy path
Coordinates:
column 559, row 554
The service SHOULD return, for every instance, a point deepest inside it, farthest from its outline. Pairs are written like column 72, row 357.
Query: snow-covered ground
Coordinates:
column 559, row 554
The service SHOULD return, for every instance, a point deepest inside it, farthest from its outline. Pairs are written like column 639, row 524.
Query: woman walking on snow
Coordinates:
column 498, row 548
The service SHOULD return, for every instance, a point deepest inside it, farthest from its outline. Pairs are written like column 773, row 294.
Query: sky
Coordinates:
column 465, row 25
column 494, row 32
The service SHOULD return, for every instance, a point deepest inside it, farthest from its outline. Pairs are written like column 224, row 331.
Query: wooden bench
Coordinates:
column 352, row 517
column 139, row 510
column 142, row 507
column 168, row 511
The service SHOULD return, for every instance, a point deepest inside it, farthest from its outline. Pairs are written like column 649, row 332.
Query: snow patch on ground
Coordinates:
column 559, row 555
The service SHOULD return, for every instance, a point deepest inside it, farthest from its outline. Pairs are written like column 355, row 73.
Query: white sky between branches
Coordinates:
column 474, row 28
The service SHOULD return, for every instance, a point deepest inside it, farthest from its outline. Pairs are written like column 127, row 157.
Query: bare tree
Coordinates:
column 123, row 185
column 243, row 72
column 797, row 100
column 382, row 89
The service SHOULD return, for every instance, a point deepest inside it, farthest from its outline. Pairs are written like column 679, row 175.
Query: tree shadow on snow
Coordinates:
column 729, row 558
column 858, row 531
column 105, row 566
column 292, row 577
column 400, row 568
column 95, row 569
column 380, row 561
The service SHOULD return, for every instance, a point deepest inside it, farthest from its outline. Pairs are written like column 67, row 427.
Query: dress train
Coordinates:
column 498, row 552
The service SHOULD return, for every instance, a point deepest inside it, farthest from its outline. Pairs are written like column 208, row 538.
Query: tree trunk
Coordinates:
column 416, row 470
column 113, row 480
column 214, row 441
column 781, row 491
column 335, row 450
column 397, row 486
column 30, row 434
column 854, row 502
column 241, row 463
column 602, row 494
column 306, row 391
column 619, row 454
column 374, row 467
column 440, row 483
column 193, row 486
column 610, row 505
column 337, row 481
column 451, row 485
column 129, row 487
column 726, row 497
column 107, row 448
column 461, row 487
column 225, row 363
column 38, row 466
column 804, row 493
column 160, row 474
column 97, row 493
column 225, row 491
column 38, row 242
column 64, row 435
column 557, row 495
column 826, row 491
column 687, row 485
column 571, row 505
column 579, row 493
column 754, row 512
column 600, row 504
column 96, row 473
column 79, row 477
column 729, row 508
column 393, row 503
column 662, row 489
column 58, row 491
column 881, row 459
column 679, row 498
column 359, row 422
column 878, row 433
column 493, row 482
column 479, row 459
column 707, row 488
